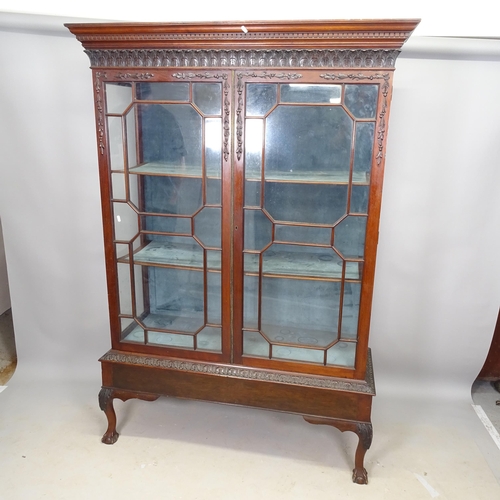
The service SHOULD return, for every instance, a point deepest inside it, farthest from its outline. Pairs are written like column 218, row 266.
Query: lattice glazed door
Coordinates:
column 305, row 171
column 166, row 160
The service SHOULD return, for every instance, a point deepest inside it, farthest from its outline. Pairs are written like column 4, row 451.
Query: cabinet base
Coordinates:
column 340, row 403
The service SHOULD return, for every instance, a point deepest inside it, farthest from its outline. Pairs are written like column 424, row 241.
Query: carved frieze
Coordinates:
column 286, row 58
column 367, row 386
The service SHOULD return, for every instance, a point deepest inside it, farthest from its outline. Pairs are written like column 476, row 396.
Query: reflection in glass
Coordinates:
column 309, row 93
column 250, row 301
column 207, row 96
column 361, row 100
column 213, row 192
column 124, row 289
column 213, row 147
column 118, row 186
column 126, row 224
column 134, row 333
column 252, row 194
column 349, row 236
column 131, row 138
column 254, row 344
column 298, row 354
column 139, row 291
column 166, row 224
column 214, row 309
column 261, row 97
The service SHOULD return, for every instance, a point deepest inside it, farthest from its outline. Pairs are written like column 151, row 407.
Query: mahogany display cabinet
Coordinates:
column 241, row 174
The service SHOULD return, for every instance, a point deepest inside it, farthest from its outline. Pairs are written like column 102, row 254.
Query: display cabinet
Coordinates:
column 241, row 173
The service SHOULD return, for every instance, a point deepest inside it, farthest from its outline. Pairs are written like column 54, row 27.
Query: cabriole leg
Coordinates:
column 106, row 396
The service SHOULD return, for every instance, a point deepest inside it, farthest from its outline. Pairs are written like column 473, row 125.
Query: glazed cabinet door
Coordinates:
column 308, row 183
column 163, row 171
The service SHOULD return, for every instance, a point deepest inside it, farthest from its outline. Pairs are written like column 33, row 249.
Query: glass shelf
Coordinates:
column 179, row 255
column 300, row 264
column 308, row 177
column 279, row 264
column 174, row 170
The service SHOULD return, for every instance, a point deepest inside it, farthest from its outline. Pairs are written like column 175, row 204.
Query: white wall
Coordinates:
column 4, row 283
column 437, row 290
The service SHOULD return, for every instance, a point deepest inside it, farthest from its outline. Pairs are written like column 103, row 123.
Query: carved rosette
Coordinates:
column 382, row 125
column 286, row 58
column 365, row 387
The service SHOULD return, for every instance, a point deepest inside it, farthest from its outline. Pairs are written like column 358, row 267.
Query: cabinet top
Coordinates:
column 325, row 34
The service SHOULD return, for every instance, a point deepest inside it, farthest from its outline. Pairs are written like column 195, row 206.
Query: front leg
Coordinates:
column 365, row 434
column 106, row 396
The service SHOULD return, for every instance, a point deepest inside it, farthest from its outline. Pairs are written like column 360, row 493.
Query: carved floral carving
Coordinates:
column 100, row 111
column 366, row 387
column 290, row 58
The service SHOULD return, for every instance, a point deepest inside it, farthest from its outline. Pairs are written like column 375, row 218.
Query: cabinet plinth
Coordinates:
column 241, row 176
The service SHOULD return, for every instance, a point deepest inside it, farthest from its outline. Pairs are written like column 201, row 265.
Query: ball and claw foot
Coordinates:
column 360, row 476
column 110, row 438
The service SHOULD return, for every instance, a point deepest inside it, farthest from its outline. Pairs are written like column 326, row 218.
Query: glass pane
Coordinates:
column 214, row 298
column 349, row 236
column 118, row 186
column 175, row 299
column 139, row 276
column 298, row 354
column 294, row 260
column 209, row 339
column 207, row 96
column 359, row 199
column 254, row 130
column 126, row 224
column 118, row 97
column 163, row 91
column 133, row 185
column 122, row 251
column 321, row 147
column 171, row 136
column 303, row 234
column 350, row 310
column 134, row 333
column 171, row 195
column 258, row 230
column 115, row 143
column 342, row 354
column 252, row 193
column 213, row 147
column 166, row 224
column 254, row 344
column 170, row 339
column 261, row 98
column 130, row 125
column 251, row 301
column 299, row 92
column 124, row 288
column 363, row 151
column 300, row 311
column 207, row 227
column 309, row 203
column 213, row 192
column 214, row 260
column 361, row 100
